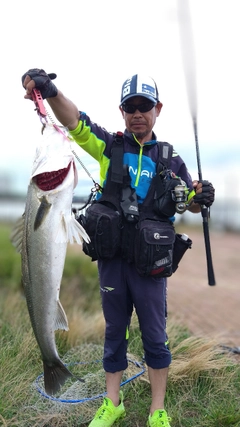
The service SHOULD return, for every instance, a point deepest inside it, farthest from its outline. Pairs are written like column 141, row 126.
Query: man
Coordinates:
column 140, row 107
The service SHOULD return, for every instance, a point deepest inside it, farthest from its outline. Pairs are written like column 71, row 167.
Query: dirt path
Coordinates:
column 212, row 311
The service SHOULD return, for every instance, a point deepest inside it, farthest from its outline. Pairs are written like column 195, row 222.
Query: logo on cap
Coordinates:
column 126, row 88
column 149, row 90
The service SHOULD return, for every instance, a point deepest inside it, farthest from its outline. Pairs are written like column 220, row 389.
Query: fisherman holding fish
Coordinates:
column 143, row 194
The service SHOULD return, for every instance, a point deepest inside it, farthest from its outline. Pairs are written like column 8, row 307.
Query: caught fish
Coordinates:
column 42, row 236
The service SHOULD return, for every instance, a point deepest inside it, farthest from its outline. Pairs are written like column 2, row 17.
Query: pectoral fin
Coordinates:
column 42, row 212
column 70, row 231
column 76, row 232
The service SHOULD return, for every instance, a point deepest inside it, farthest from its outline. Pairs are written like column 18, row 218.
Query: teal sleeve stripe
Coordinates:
column 93, row 145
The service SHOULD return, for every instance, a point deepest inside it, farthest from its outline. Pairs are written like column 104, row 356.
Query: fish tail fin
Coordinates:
column 55, row 376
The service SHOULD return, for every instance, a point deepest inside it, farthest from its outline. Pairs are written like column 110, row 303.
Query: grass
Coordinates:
column 204, row 383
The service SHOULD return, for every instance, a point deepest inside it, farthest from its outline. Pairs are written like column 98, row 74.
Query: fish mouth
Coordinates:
column 50, row 180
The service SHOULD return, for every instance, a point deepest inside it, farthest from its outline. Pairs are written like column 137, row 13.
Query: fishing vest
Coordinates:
column 141, row 233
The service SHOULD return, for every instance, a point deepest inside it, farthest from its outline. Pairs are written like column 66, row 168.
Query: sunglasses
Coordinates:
column 143, row 108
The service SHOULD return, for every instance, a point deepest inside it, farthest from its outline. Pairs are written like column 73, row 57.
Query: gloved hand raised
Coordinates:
column 205, row 193
column 43, row 82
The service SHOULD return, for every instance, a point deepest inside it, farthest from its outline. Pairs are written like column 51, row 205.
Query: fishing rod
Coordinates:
column 189, row 65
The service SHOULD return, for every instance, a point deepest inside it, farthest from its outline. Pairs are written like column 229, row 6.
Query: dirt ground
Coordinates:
column 212, row 311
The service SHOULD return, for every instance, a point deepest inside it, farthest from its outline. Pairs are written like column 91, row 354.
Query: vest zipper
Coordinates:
column 139, row 166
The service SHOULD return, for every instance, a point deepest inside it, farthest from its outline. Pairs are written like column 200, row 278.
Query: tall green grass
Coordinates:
column 204, row 383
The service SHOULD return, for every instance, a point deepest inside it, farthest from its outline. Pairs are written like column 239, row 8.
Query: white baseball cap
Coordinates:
column 139, row 85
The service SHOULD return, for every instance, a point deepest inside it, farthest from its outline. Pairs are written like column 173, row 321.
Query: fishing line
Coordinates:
column 97, row 187
column 64, row 398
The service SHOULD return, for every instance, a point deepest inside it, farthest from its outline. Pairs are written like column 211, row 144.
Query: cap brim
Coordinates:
column 142, row 95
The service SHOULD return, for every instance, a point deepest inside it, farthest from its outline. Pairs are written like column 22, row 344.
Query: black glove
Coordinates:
column 43, row 82
column 207, row 196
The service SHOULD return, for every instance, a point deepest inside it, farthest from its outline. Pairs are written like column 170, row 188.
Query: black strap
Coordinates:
column 115, row 177
column 156, row 189
column 165, row 157
column 165, row 153
column 117, row 158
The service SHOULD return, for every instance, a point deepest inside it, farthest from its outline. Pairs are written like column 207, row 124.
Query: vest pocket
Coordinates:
column 153, row 251
column 103, row 224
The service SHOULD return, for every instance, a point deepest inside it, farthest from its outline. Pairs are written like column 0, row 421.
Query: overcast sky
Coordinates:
column 93, row 46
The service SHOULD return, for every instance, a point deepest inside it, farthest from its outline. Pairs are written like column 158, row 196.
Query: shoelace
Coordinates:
column 104, row 413
column 156, row 422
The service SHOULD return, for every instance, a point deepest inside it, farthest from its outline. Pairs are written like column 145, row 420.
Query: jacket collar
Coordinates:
column 132, row 141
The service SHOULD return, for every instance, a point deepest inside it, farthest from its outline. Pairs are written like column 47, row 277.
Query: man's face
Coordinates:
column 137, row 122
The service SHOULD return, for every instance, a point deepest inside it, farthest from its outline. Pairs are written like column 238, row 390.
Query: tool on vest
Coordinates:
column 129, row 203
column 171, row 192
column 179, row 195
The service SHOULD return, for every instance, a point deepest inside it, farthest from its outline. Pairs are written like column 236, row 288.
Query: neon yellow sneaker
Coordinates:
column 107, row 414
column 159, row 419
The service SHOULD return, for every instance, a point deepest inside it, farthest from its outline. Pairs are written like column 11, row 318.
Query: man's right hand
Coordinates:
column 39, row 79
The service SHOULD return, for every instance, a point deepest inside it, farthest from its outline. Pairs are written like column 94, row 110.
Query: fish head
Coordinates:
column 54, row 165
